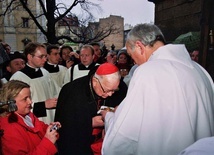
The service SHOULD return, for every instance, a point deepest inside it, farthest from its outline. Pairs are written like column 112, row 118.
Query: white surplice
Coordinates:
column 42, row 88
column 59, row 76
column 169, row 106
column 203, row 146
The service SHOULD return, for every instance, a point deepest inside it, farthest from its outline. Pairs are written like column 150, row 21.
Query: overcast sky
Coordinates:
column 133, row 11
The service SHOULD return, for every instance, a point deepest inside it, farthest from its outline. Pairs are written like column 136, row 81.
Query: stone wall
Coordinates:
column 116, row 38
column 176, row 17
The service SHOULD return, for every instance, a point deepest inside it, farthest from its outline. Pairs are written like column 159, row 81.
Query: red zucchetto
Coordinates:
column 106, row 68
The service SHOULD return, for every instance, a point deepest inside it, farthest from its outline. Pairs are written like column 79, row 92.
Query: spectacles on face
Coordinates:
column 40, row 56
column 105, row 91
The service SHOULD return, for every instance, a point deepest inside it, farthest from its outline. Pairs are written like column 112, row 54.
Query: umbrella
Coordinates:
column 190, row 39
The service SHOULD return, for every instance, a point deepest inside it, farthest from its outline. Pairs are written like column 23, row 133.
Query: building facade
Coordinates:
column 117, row 38
column 17, row 28
column 68, row 26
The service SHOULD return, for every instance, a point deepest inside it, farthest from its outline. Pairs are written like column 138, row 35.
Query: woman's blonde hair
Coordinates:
column 10, row 90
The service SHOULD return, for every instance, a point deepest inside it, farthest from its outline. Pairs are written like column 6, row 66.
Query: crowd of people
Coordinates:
column 147, row 98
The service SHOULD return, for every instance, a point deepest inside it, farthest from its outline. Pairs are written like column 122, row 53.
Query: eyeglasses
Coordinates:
column 40, row 56
column 105, row 91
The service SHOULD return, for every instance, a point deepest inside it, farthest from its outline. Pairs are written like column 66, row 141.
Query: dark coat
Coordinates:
column 75, row 109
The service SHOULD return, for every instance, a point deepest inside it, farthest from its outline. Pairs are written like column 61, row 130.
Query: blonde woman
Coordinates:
column 23, row 132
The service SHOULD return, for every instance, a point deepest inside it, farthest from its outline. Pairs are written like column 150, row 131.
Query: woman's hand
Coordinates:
column 53, row 134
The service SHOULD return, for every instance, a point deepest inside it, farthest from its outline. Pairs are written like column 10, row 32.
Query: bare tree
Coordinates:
column 54, row 11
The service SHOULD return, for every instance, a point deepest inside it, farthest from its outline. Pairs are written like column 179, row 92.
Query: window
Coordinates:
column 25, row 1
column 25, row 22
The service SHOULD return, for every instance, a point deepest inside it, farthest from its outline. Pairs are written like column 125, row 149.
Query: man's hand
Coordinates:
column 105, row 110
column 51, row 103
column 97, row 121
column 103, row 114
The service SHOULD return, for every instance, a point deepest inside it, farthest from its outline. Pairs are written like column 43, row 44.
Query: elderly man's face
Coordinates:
column 105, row 87
column 136, row 52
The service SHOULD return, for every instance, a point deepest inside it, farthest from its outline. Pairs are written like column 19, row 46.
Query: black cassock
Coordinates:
column 75, row 108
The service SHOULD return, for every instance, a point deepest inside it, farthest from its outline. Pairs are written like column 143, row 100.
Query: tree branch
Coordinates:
column 32, row 16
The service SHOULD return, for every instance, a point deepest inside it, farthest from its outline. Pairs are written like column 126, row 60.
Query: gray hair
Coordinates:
column 109, row 77
column 148, row 34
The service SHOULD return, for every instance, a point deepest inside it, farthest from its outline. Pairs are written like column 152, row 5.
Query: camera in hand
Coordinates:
column 72, row 58
column 54, row 127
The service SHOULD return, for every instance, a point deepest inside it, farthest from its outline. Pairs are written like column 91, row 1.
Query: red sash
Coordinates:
column 96, row 146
